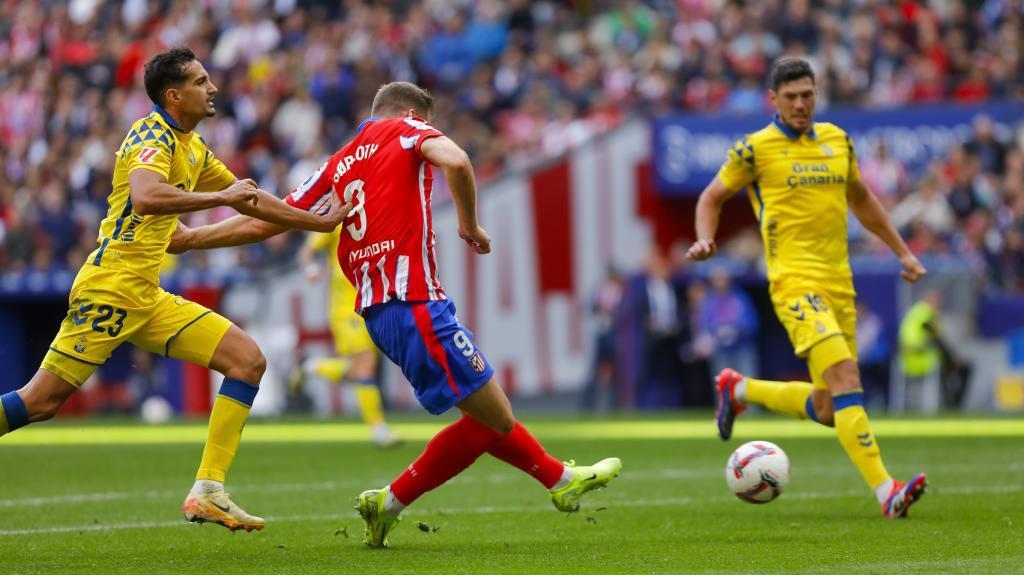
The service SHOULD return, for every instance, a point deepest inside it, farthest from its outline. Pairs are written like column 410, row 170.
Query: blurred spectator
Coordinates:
column 873, row 354
column 696, row 351
column 728, row 326
column 599, row 391
column 516, row 82
column 991, row 153
column 945, row 371
column 884, row 176
column 145, row 380
column 926, row 205
column 660, row 382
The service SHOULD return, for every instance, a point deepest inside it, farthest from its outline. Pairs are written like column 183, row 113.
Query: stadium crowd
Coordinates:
column 515, row 82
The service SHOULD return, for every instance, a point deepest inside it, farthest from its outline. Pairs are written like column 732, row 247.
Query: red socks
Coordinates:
column 457, row 446
column 452, row 450
column 522, row 450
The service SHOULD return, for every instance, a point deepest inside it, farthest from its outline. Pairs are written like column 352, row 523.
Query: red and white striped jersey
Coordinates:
column 387, row 245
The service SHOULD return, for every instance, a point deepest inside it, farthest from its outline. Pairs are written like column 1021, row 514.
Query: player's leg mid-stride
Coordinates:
column 486, row 426
column 242, row 364
column 843, row 409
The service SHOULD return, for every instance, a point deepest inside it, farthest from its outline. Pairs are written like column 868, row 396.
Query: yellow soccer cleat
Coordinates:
column 585, row 478
column 370, row 505
column 218, row 508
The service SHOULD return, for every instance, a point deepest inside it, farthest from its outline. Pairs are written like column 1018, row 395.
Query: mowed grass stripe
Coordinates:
column 540, row 507
column 264, row 432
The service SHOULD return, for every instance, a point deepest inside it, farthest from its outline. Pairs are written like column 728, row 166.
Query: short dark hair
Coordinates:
column 397, row 97
column 166, row 69
column 789, row 70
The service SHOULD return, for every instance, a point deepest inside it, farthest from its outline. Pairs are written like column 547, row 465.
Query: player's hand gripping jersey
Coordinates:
column 387, row 245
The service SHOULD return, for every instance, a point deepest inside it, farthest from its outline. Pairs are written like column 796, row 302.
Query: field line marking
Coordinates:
column 662, row 502
column 496, row 478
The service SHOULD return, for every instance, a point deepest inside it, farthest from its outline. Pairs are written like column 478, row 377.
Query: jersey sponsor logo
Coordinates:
column 813, row 174
column 371, row 250
column 147, row 154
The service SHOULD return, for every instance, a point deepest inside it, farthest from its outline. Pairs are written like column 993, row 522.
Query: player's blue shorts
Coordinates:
column 436, row 353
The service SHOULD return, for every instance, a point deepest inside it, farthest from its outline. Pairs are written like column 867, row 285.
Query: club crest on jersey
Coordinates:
column 147, row 154
column 476, row 361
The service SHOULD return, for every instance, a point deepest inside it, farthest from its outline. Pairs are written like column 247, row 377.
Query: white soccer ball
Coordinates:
column 156, row 410
column 757, row 471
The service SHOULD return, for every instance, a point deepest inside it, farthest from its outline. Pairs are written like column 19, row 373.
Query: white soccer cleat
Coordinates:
column 384, row 437
column 218, row 508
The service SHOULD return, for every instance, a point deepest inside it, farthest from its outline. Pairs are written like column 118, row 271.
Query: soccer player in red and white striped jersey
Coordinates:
column 384, row 177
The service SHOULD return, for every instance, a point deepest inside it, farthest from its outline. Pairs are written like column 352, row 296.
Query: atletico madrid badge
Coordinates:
column 477, row 361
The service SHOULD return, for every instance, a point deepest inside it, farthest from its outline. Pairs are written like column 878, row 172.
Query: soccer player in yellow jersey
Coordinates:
column 116, row 296
column 357, row 355
column 801, row 176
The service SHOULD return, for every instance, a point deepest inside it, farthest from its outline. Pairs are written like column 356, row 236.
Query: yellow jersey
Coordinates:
column 137, row 243
column 343, row 294
column 797, row 187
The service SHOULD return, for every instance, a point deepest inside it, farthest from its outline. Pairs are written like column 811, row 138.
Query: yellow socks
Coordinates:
column 792, row 398
column 13, row 413
column 855, row 435
column 331, row 368
column 230, row 410
column 370, row 404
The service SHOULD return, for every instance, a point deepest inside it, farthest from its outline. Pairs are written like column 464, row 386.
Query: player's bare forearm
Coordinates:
column 458, row 172
column 462, row 183
column 152, row 195
column 235, row 231
column 709, row 210
column 164, row 199
column 275, row 211
column 870, row 212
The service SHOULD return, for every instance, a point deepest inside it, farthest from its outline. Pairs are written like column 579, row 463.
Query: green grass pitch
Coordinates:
column 99, row 498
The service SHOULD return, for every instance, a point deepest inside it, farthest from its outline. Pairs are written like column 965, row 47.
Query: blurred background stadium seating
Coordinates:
column 593, row 126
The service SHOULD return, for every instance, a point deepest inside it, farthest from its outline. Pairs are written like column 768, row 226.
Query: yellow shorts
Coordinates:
column 349, row 329
column 109, row 307
column 821, row 323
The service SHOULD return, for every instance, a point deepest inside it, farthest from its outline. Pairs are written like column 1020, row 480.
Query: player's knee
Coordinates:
column 505, row 424
column 257, row 365
column 250, row 366
column 843, row 378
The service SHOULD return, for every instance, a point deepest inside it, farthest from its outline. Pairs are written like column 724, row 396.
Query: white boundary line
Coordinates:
column 663, row 502
column 637, row 475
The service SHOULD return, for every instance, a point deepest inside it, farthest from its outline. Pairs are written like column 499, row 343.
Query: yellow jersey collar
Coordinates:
column 168, row 118
column 790, row 132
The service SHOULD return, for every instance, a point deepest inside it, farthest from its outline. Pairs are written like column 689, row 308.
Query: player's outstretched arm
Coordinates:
column 709, row 210
column 272, row 210
column 152, row 195
column 235, row 231
column 458, row 172
column 872, row 214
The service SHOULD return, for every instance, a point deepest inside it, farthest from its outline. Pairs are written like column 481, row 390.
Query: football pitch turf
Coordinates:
column 87, row 497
